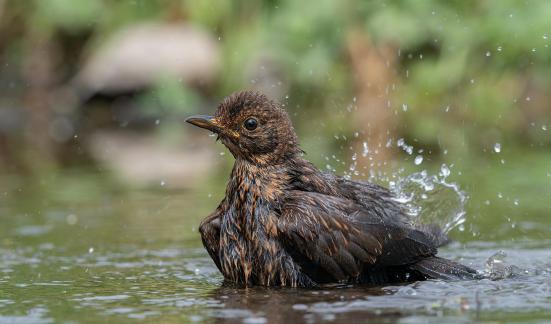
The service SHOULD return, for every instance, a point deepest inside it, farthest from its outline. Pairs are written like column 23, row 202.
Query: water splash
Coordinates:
column 497, row 268
column 431, row 199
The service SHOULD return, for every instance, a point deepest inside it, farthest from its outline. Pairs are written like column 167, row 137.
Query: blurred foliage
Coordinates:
column 471, row 73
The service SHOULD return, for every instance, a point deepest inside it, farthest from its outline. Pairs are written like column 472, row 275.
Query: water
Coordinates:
column 432, row 199
column 87, row 251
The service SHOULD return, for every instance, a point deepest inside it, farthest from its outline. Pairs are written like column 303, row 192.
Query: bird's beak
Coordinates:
column 206, row 122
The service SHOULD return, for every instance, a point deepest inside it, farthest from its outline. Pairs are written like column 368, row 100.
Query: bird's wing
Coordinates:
column 210, row 235
column 335, row 237
column 380, row 200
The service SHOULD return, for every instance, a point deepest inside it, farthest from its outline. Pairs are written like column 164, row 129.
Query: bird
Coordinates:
column 285, row 223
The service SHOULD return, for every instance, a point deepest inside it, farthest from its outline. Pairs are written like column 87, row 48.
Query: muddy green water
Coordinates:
column 73, row 249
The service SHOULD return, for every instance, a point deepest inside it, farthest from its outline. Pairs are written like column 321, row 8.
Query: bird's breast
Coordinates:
column 250, row 251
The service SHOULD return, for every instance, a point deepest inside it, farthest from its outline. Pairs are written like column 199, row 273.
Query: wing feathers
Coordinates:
column 337, row 237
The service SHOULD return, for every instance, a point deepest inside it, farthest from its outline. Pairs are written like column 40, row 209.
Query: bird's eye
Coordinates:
column 250, row 124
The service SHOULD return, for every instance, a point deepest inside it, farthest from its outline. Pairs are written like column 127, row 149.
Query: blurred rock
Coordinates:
column 137, row 56
column 142, row 161
column 11, row 119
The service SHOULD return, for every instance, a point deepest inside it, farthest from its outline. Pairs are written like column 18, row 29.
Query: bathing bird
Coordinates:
column 283, row 222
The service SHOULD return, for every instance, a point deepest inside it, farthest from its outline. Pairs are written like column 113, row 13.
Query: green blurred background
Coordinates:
column 93, row 95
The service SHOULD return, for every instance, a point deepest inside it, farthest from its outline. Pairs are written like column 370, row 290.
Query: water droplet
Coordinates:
column 497, row 147
column 91, row 250
column 528, row 98
column 472, row 81
column 222, row 153
column 354, row 157
column 515, row 202
column 163, row 183
column 354, row 99
column 444, row 170
column 544, row 127
column 488, row 54
column 418, row 159
column 499, row 195
column 499, row 48
column 157, row 122
column 365, row 151
column 534, row 49
column 404, row 107
column 400, row 142
column 545, row 36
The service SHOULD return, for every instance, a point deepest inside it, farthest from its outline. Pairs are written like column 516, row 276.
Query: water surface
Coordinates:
column 86, row 252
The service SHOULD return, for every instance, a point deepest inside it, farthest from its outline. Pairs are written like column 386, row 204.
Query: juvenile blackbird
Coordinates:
column 283, row 222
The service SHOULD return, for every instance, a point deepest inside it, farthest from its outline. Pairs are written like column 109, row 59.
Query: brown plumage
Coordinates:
column 285, row 223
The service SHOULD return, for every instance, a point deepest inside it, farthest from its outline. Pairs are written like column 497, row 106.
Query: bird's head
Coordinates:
column 252, row 127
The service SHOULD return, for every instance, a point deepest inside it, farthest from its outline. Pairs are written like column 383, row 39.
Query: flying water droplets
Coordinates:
column 401, row 143
column 497, row 147
column 365, row 149
column 444, row 171
column 418, row 160
column 432, row 199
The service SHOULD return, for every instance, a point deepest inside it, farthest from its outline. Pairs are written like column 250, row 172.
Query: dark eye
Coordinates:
column 250, row 124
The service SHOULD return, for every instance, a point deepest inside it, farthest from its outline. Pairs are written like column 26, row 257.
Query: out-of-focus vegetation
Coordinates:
column 464, row 82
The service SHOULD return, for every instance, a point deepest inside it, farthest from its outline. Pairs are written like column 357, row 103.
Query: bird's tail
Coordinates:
column 439, row 268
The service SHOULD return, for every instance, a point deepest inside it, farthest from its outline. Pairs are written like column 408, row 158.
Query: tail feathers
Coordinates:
column 439, row 268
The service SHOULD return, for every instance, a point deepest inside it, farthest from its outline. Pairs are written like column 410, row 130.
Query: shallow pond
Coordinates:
column 84, row 253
